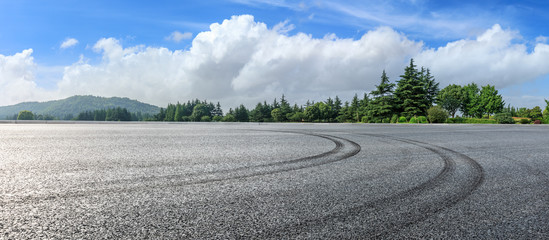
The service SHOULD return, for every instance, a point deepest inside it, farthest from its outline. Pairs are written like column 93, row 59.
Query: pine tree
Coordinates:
column 355, row 104
column 410, row 93
column 382, row 105
column 430, row 85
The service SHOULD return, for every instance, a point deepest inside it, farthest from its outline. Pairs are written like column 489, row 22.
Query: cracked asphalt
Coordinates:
column 273, row 181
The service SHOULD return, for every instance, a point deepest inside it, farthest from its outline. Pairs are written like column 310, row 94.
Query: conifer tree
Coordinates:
column 410, row 93
column 430, row 85
column 381, row 106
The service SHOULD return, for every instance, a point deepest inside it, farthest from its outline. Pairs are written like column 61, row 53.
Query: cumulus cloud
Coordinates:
column 244, row 61
column 491, row 58
column 69, row 42
column 17, row 75
column 178, row 36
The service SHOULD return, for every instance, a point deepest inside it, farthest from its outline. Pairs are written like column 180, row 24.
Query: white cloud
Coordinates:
column 69, row 42
column 243, row 61
column 491, row 58
column 178, row 36
column 17, row 75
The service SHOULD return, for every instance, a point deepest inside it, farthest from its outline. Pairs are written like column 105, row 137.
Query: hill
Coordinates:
column 71, row 106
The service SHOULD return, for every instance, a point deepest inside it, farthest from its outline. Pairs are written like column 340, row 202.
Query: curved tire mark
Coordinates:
column 365, row 211
column 344, row 149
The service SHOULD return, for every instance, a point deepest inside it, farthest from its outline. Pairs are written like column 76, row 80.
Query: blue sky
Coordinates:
column 69, row 57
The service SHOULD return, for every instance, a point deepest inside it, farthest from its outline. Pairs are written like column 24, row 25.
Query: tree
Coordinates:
column 535, row 113
column 437, row 114
column 199, row 111
column 410, row 93
column 25, row 115
column 381, row 106
column 430, row 85
column 490, row 101
column 450, row 98
column 241, row 114
column 312, row 113
column 469, row 102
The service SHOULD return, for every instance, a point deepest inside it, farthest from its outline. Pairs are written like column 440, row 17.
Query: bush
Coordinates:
column 364, row 119
column 504, row 118
column 205, row 119
column 413, row 120
column 537, row 122
column 229, row 118
column 25, row 115
column 402, row 120
column 437, row 114
column 394, row 119
column 524, row 121
column 217, row 118
column 423, row 119
column 386, row 120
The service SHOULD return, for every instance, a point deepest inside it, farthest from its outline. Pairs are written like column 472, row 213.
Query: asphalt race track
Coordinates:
column 278, row 181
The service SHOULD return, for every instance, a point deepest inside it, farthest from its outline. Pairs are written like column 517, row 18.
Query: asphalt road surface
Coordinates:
column 279, row 181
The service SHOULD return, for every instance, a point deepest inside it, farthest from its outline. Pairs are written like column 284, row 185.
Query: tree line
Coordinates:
column 410, row 97
column 415, row 97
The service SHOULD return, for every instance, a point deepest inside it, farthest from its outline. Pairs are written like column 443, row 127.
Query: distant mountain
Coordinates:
column 77, row 104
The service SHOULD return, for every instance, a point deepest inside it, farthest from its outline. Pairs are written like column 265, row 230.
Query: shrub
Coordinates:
column 537, row 122
column 394, row 119
column 25, row 115
column 229, row 118
column 402, row 120
column 504, row 118
column 525, row 121
column 217, row 118
column 364, row 119
column 205, row 119
column 437, row 114
column 386, row 120
column 413, row 120
column 423, row 119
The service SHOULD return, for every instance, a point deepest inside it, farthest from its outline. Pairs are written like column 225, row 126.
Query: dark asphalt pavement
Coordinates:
column 279, row 181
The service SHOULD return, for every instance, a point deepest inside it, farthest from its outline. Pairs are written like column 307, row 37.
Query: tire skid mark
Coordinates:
column 393, row 201
column 344, row 149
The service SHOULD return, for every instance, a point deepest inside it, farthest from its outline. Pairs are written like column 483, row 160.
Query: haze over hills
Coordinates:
column 74, row 105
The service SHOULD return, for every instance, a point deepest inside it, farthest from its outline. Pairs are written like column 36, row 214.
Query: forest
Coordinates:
column 414, row 98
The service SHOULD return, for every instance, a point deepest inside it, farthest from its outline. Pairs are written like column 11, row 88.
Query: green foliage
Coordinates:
column 450, row 98
column 471, row 120
column 25, row 115
column 430, row 85
column 423, row 119
column 382, row 105
column 394, row 119
column 525, row 121
column 402, row 120
column 241, row 114
column 535, row 113
column 364, row 119
column 410, row 92
column 205, row 119
column 490, row 101
column 217, row 118
column 229, row 118
column 200, row 110
column 414, row 120
column 437, row 114
column 504, row 118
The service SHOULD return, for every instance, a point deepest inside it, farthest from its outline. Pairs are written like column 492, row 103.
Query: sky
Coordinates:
column 247, row 51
